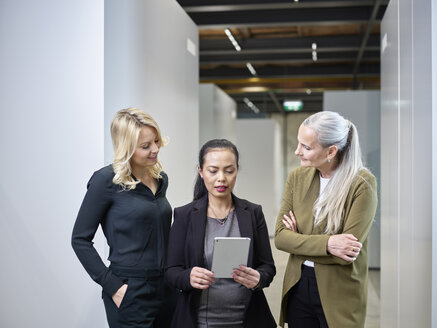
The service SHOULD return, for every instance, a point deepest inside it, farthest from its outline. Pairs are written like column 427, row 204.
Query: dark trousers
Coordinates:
column 304, row 309
column 148, row 302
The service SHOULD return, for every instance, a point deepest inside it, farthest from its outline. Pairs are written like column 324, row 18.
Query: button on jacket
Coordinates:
column 136, row 224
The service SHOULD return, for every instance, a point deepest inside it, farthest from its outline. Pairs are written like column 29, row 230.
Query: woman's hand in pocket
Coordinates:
column 119, row 295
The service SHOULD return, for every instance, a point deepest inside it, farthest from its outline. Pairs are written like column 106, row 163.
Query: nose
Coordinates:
column 221, row 176
column 155, row 148
column 297, row 151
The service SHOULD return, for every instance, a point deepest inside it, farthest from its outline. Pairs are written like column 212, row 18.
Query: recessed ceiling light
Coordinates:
column 251, row 105
column 251, row 69
column 232, row 39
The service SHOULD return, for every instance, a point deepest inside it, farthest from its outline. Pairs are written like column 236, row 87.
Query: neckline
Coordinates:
column 147, row 187
column 223, row 220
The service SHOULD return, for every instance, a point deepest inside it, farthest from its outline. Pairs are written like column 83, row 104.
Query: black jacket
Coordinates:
column 136, row 224
column 186, row 248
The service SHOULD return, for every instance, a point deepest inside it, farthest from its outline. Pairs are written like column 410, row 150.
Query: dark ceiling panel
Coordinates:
column 283, row 17
column 277, row 38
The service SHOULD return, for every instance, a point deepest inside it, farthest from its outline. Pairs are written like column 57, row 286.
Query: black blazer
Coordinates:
column 186, row 248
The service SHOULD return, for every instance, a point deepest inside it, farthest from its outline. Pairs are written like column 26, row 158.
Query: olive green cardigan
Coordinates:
column 342, row 285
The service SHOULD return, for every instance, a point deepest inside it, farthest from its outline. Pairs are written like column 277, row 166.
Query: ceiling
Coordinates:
column 277, row 38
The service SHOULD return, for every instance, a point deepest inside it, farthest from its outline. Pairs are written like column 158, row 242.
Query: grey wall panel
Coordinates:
column 421, row 158
column 258, row 142
column 51, row 136
column 406, row 279
column 406, row 139
column 390, row 168
column 148, row 65
column 434, row 162
column 217, row 114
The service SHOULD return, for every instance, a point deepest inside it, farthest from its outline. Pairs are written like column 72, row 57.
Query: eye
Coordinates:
column 145, row 147
column 212, row 171
column 230, row 171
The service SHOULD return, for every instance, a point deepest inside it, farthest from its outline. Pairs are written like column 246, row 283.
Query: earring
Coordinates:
column 329, row 161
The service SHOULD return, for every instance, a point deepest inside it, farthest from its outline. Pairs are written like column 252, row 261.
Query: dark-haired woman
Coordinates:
column 215, row 212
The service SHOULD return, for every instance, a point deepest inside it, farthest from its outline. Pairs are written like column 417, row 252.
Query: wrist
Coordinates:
column 256, row 287
column 328, row 246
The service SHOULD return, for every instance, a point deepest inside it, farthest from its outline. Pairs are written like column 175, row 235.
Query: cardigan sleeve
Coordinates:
column 93, row 209
column 176, row 272
column 263, row 262
column 294, row 242
column 358, row 221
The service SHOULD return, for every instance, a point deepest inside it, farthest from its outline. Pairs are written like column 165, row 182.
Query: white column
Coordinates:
column 407, row 170
column 217, row 114
column 260, row 174
column 51, row 136
column 151, row 62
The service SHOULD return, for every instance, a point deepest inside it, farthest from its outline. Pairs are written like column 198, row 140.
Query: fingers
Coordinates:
column 354, row 251
column 201, row 278
column 350, row 236
column 117, row 298
column 246, row 276
column 348, row 258
column 290, row 221
column 344, row 246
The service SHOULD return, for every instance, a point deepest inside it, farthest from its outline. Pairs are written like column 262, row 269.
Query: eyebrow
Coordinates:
column 303, row 143
column 216, row 167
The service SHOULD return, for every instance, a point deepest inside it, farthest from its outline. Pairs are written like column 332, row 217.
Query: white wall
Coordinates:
column 363, row 108
column 434, row 164
column 217, row 114
column 51, row 136
column 53, row 126
column 147, row 65
column 257, row 142
column 407, row 171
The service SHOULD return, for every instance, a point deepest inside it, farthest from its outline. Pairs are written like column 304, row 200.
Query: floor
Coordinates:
column 273, row 293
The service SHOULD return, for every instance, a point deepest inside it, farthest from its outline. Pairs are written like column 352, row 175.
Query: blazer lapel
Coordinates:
column 244, row 219
column 198, row 225
column 311, row 193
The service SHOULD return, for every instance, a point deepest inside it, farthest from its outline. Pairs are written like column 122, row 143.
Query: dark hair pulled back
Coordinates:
column 199, row 187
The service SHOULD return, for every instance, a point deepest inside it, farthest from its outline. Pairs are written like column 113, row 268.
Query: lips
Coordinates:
column 221, row 188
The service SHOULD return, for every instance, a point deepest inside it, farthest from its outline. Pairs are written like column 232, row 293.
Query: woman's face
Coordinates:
column 311, row 153
column 146, row 153
column 219, row 172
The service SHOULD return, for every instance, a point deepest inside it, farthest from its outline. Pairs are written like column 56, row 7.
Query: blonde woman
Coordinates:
column 127, row 198
column 327, row 210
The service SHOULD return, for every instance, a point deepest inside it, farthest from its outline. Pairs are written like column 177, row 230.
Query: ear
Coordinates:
column 332, row 152
column 200, row 171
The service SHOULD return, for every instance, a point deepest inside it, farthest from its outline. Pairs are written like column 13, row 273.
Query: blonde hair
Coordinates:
column 125, row 130
column 332, row 129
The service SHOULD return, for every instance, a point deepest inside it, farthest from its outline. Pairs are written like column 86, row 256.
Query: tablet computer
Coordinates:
column 228, row 254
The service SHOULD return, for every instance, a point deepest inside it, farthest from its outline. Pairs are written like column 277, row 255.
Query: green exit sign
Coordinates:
column 293, row 105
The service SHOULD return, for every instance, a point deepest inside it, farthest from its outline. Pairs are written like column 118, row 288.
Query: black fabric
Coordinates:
column 185, row 251
column 304, row 309
column 136, row 224
column 146, row 303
